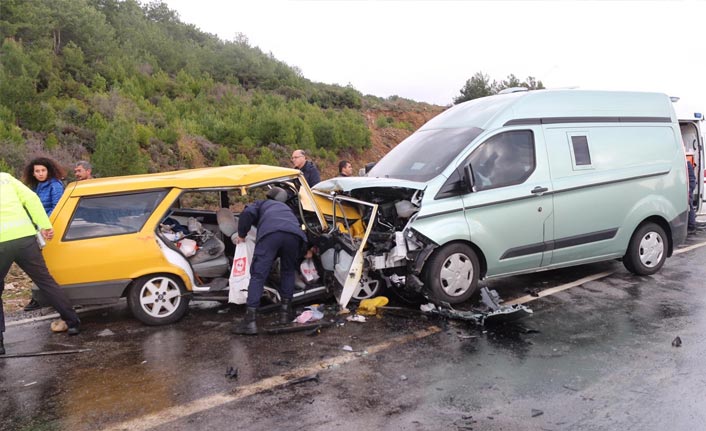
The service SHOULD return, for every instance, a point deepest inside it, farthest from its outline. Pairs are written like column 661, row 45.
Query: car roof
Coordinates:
column 222, row 176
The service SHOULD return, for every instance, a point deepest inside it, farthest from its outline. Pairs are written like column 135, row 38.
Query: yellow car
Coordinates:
column 163, row 239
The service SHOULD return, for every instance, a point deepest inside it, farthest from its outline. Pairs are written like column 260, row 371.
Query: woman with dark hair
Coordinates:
column 43, row 175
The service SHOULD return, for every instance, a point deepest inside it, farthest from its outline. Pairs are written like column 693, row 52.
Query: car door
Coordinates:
column 509, row 212
column 342, row 246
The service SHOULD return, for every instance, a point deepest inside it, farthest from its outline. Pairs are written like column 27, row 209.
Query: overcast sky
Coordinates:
column 426, row 50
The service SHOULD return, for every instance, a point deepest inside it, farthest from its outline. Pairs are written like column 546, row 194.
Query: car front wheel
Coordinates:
column 452, row 273
column 158, row 299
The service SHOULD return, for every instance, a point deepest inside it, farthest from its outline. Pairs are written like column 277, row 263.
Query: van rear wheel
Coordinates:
column 647, row 250
column 452, row 273
column 158, row 299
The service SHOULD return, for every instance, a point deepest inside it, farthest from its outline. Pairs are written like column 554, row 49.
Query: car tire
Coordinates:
column 452, row 272
column 647, row 250
column 158, row 299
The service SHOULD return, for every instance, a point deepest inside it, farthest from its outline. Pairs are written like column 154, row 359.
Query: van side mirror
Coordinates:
column 369, row 166
column 468, row 177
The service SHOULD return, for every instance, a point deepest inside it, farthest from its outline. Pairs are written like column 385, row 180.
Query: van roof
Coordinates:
column 222, row 176
column 495, row 111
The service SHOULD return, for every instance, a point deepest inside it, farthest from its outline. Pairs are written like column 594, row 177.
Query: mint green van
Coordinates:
column 522, row 182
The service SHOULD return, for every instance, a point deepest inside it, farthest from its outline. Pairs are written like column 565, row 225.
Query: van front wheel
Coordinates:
column 647, row 250
column 158, row 299
column 452, row 273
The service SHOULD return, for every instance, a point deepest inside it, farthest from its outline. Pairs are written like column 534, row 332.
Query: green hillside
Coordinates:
column 133, row 89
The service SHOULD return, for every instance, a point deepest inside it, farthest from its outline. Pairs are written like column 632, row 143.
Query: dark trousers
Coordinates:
column 26, row 253
column 692, row 211
column 284, row 245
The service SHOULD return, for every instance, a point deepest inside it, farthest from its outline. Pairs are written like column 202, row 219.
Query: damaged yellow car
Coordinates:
column 161, row 240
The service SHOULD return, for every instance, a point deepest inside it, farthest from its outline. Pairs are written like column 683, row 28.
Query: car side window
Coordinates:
column 112, row 215
column 503, row 160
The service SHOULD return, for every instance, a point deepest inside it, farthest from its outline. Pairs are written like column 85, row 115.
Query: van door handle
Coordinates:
column 539, row 190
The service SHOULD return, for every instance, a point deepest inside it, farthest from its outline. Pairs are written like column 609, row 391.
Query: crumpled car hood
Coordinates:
column 347, row 184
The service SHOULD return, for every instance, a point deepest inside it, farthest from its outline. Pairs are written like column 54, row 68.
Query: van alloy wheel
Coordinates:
column 157, row 299
column 647, row 250
column 452, row 273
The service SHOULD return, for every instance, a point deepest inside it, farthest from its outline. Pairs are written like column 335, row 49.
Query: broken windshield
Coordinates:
column 424, row 154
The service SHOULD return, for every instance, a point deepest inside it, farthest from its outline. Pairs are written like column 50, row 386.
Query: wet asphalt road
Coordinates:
column 598, row 356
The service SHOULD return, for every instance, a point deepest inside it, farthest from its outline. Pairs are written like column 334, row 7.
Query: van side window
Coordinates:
column 580, row 150
column 112, row 215
column 503, row 160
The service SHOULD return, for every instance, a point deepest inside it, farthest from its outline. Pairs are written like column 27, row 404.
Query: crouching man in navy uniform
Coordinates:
column 279, row 234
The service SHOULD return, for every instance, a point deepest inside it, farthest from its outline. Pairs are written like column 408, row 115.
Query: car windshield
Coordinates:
column 424, row 154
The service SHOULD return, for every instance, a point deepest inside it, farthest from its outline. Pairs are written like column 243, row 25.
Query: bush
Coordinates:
column 117, row 151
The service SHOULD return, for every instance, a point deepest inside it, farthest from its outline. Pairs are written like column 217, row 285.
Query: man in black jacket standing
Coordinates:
column 311, row 174
column 279, row 234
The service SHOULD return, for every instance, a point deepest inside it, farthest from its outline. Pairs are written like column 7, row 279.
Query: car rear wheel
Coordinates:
column 452, row 273
column 158, row 299
column 647, row 250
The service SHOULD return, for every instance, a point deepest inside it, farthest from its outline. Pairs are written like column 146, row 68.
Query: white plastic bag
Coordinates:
column 240, row 273
column 308, row 270
column 187, row 246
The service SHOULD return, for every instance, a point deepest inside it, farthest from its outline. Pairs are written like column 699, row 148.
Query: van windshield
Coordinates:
column 424, row 154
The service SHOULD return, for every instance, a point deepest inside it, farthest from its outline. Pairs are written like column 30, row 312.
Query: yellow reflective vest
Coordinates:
column 14, row 198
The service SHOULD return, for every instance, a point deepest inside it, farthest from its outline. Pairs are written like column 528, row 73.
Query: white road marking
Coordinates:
column 176, row 412
column 553, row 290
column 689, row 248
column 56, row 315
column 527, row 298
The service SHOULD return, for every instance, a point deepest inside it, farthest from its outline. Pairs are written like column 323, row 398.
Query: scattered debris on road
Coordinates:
column 676, row 342
column 536, row 413
column 309, row 378
column 232, row 373
column 356, row 318
column 496, row 313
column 313, row 328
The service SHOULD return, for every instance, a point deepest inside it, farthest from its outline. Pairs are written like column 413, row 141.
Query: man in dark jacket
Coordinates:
column 692, row 186
column 311, row 174
column 279, row 234
column 345, row 169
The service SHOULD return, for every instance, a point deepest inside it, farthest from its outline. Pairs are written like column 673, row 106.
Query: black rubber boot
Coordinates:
column 2, row 346
column 247, row 326
column 286, row 313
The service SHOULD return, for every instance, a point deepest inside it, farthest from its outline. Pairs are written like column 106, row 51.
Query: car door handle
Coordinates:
column 539, row 190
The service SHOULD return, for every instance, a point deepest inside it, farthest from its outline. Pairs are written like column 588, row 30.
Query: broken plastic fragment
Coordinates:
column 356, row 318
column 232, row 373
column 676, row 342
column 347, row 348
column 427, row 307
